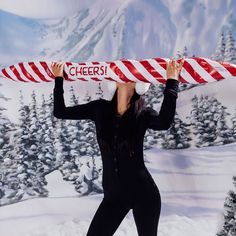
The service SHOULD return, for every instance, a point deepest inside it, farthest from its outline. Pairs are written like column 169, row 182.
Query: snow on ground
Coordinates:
column 193, row 181
column 71, row 217
column 193, row 184
column 173, row 225
column 57, row 187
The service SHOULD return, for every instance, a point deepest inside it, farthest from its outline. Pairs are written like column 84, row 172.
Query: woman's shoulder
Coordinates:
column 100, row 104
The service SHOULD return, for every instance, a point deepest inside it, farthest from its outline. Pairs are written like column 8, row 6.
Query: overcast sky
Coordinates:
column 43, row 8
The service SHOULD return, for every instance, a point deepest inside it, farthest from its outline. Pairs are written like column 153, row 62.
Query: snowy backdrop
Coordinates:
column 50, row 169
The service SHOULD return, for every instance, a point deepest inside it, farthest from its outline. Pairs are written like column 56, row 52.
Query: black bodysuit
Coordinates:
column 126, row 182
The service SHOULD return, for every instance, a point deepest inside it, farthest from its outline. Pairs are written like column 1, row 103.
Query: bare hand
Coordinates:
column 173, row 69
column 57, row 69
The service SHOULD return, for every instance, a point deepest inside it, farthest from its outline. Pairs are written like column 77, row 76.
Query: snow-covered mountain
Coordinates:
column 104, row 30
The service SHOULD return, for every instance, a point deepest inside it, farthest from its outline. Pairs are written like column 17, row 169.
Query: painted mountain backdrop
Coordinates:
column 51, row 163
column 108, row 30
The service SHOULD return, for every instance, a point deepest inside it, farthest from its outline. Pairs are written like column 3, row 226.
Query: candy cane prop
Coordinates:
column 196, row 70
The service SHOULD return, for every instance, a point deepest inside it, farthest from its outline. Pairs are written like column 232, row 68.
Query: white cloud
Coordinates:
column 43, row 8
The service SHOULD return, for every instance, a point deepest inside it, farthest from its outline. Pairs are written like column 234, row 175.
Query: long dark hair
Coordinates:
column 129, row 118
column 137, row 103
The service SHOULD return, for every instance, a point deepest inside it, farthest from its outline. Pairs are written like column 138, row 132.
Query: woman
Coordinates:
column 120, row 127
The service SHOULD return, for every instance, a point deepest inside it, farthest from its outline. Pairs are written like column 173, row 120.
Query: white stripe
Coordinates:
column 184, row 73
column 31, row 72
column 112, row 74
column 126, row 71
column 145, row 73
column 157, row 67
column 42, row 70
column 204, row 74
column 218, row 67
column 21, row 73
column 10, row 72
column 186, row 76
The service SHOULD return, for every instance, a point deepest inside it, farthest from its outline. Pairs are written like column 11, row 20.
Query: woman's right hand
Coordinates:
column 57, row 69
column 173, row 69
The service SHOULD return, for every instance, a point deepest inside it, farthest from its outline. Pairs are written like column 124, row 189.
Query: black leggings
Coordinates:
column 146, row 206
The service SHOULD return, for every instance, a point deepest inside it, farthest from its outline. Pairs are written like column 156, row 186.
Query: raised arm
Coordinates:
column 77, row 112
column 60, row 111
column 164, row 119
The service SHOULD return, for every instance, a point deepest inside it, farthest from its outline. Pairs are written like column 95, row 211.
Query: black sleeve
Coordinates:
column 163, row 120
column 77, row 112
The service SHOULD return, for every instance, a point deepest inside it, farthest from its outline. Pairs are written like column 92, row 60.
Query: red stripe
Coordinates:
column 134, row 71
column 153, row 71
column 37, row 72
column 65, row 75
column 27, row 74
column 16, row 73
column 6, row 74
column 182, row 80
column 209, row 68
column 229, row 68
column 109, row 78
column 193, row 73
column 163, row 64
column 68, row 63
column 46, row 68
column 118, row 72
column 95, row 63
column 83, row 79
column 96, row 79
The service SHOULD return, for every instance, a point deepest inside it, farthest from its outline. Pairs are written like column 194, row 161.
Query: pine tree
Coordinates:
column 7, row 161
column 91, row 150
column 70, row 162
column 88, row 181
column 183, row 53
column 90, row 145
column 99, row 93
column 46, row 153
column 64, row 146
column 77, row 140
column 224, row 133
column 233, row 119
column 153, row 98
column 208, row 118
column 204, row 120
column 229, row 225
column 29, row 169
column 219, row 54
column 177, row 136
column 230, row 49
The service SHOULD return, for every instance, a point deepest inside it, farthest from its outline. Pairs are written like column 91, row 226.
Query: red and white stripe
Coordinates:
column 195, row 71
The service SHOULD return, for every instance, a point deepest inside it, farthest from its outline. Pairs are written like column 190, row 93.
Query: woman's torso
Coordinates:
column 120, row 139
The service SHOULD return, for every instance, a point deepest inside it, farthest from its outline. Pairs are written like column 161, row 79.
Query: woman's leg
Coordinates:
column 107, row 218
column 146, row 211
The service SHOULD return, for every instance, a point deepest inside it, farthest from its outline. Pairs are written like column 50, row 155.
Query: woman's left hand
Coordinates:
column 57, row 69
column 173, row 69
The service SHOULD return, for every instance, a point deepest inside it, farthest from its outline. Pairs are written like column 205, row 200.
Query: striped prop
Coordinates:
column 194, row 71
